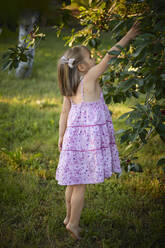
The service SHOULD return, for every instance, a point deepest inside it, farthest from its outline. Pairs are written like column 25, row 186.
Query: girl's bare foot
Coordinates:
column 66, row 221
column 74, row 232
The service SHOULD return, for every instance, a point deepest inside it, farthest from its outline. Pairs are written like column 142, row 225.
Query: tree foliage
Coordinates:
column 139, row 70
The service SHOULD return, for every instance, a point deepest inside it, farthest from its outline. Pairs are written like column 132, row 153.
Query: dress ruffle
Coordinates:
column 88, row 137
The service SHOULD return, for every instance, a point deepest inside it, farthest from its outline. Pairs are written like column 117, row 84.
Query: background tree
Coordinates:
column 27, row 14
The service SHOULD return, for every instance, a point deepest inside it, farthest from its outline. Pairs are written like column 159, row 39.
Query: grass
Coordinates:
column 124, row 212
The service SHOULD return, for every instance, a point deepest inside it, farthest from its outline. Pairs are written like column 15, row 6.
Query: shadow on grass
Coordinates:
column 33, row 209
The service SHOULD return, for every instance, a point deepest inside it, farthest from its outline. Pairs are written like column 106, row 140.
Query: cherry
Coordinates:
column 163, row 111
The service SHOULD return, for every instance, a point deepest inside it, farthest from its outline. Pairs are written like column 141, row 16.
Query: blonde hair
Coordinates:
column 68, row 77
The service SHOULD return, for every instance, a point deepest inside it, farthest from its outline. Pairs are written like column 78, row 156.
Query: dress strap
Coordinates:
column 82, row 93
column 71, row 100
column 101, row 94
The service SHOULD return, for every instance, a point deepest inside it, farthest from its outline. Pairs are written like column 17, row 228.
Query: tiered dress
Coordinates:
column 89, row 153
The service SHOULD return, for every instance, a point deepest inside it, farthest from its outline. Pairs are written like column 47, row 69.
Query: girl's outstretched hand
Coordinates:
column 60, row 143
column 135, row 30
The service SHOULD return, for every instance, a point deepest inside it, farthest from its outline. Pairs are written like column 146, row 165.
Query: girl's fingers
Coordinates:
column 136, row 25
column 137, row 22
column 137, row 28
column 60, row 146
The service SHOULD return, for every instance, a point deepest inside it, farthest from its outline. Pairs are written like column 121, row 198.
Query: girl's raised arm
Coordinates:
column 97, row 70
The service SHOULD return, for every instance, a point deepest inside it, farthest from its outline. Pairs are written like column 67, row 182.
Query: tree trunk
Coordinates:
column 27, row 21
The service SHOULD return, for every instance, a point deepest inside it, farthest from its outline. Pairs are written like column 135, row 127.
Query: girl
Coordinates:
column 88, row 153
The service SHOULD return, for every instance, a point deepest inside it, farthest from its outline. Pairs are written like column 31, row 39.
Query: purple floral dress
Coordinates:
column 89, row 153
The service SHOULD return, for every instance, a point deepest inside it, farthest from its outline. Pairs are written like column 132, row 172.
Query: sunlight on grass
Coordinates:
column 118, row 109
column 41, row 103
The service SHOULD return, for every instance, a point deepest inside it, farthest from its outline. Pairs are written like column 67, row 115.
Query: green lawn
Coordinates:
column 125, row 212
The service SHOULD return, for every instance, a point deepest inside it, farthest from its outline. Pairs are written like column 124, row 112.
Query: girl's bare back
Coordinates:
column 91, row 92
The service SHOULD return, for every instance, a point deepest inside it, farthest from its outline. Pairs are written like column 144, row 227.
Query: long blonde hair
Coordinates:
column 69, row 78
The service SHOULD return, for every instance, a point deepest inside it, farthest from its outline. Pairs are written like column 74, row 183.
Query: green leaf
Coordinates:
column 120, row 47
column 135, row 94
column 94, row 43
column 160, row 27
column 6, row 65
column 147, row 36
column 161, row 130
column 161, row 127
column 141, row 108
column 113, row 52
column 140, row 81
column 82, row 8
column 124, row 115
column 128, row 147
column 30, row 56
column 112, row 61
column 138, row 51
column 135, row 168
column 120, row 131
column 133, row 136
column 117, row 98
column 13, row 49
column 125, row 137
column 127, row 84
column 23, row 58
column 143, row 135
column 14, row 64
column 161, row 162
column 118, row 26
column 162, row 76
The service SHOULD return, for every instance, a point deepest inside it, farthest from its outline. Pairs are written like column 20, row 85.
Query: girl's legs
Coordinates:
column 68, row 195
column 77, row 203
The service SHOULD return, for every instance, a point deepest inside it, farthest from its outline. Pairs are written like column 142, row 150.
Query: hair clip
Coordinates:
column 68, row 61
